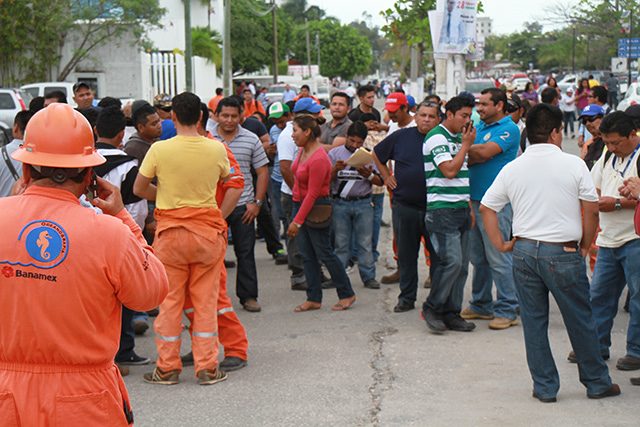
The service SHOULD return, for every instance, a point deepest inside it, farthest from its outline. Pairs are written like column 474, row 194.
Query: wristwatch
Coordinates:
column 258, row 202
column 618, row 205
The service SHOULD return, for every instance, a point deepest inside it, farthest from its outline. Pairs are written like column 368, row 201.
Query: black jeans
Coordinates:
column 408, row 224
column 244, row 242
column 127, row 336
column 268, row 229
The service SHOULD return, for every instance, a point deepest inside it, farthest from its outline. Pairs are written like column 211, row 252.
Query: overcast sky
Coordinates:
column 508, row 15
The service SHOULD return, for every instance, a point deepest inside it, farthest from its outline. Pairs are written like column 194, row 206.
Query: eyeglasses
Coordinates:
column 586, row 120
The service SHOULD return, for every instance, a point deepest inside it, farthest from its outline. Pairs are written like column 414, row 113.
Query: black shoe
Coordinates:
column 372, row 284
column 133, row 359
column 401, row 307
column 232, row 364
column 153, row 313
column 281, row 257
column 545, row 399
column 140, row 326
column 187, row 359
column 572, row 357
column 229, row 264
column 628, row 363
column 635, row 381
column 614, row 390
column 434, row 324
column 300, row 286
column 457, row 323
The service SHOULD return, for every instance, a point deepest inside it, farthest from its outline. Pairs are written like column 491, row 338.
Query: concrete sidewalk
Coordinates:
column 370, row 366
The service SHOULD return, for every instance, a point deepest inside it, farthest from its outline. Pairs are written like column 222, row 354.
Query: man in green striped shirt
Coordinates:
column 449, row 217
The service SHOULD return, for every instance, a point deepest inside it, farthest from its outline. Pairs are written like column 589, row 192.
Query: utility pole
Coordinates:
column 573, row 52
column 629, row 47
column 306, row 26
column 226, row 49
column 318, row 47
column 187, row 45
column 274, row 24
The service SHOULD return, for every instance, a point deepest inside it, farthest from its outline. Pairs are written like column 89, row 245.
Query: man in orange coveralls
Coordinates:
column 72, row 267
column 231, row 333
column 190, row 239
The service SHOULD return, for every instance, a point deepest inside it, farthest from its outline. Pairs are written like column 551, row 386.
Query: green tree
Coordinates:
column 379, row 44
column 207, row 44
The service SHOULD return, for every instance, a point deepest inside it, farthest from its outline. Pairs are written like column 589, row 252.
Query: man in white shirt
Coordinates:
column 11, row 169
column 619, row 245
column 548, row 250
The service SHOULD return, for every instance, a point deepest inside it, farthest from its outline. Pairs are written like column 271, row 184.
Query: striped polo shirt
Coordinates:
column 444, row 193
column 248, row 151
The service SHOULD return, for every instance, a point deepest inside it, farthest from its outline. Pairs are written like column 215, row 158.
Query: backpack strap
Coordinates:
column 7, row 160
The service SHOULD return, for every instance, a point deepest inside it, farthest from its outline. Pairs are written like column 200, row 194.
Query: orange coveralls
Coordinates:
column 65, row 273
column 231, row 333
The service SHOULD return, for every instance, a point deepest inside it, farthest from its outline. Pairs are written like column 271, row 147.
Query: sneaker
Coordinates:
column 635, row 381
column 573, row 359
column 469, row 314
column 392, row 278
column 252, row 306
column 350, row 269
column 614, row 390
column 457, row 323
column 281, row 257
column 164, row 378
column 232, row 363
column 545, row 399
column 372, row 284
column 499, row 323
column 628, row 363
column 300, row 286
column 434, row 324
column 209, row 377
column 140, row 326
column 187, row 359
column 401, row 307
column 229, row 264
column 133, row 359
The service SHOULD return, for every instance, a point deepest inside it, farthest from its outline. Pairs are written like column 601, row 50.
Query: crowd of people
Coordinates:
column 481, row 182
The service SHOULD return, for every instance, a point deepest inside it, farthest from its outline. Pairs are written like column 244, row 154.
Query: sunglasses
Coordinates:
column 586, row 120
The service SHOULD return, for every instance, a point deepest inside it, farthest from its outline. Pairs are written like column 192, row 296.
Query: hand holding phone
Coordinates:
column 108, row 197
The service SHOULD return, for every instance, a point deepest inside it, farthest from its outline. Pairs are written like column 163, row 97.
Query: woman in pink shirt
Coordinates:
column 582, row 95
column 312, row 171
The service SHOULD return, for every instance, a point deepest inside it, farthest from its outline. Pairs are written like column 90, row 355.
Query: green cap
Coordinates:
column 277, row 109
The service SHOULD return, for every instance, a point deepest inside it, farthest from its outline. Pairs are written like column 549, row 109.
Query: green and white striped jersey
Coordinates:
column 444, row 193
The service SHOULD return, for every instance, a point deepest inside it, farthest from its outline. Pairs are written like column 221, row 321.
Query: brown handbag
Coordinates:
column 319, row 216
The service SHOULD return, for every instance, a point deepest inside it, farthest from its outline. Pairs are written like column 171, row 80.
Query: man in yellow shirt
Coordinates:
column 189, row 239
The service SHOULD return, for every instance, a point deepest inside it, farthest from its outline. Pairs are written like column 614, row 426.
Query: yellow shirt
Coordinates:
column 188, row 169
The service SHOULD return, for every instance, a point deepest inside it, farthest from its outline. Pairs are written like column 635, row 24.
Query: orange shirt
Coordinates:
column 252, row 107
column 65, row 272
column 213, row 102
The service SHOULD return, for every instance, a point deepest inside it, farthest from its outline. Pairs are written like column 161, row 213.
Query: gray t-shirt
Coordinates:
column 6, row 177
column 348, row 183
column 612, row 84
column 330, row 133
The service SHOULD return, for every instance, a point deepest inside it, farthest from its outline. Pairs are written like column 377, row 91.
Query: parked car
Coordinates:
column 632, row 97
column 475, row 86
column 520, row 83
column 11, row 102
column 323, row 95
column 42, row 89
column 5, row 134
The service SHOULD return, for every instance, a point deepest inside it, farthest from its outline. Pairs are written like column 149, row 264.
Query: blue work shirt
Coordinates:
column 506, row 134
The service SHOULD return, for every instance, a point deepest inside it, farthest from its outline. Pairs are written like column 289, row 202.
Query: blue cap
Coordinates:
column 592, row 110
column 307, row 104
column 411, row 101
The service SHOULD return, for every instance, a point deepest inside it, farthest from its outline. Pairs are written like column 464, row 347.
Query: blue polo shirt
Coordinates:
column 506, row 134
column 404, row 146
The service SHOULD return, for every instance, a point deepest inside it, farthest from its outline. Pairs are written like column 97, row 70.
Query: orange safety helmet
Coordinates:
column 58, row 137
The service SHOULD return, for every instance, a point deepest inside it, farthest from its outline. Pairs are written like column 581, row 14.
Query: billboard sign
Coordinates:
column 454, row 25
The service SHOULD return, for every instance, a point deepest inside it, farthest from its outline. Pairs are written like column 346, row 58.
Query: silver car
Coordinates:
column 11, row 101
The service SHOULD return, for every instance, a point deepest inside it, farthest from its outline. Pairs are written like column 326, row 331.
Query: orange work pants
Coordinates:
column 193, row 265
column 231, row 333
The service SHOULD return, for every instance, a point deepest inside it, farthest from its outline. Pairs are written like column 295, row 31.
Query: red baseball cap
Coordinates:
column 394, row 101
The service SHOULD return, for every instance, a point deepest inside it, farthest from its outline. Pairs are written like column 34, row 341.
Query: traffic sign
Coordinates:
column 629, row 47
column 618, row 65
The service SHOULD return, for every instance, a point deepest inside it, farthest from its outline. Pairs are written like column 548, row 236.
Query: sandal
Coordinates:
column 307, row 306
column 344, row 304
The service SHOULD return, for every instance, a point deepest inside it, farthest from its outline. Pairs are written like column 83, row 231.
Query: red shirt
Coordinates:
column 312, row 179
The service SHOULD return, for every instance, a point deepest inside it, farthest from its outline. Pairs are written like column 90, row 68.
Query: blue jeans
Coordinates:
column 615, row 267
column 378, row 208
column 277, row 213
column 314, row 245
column 491, row 265
column 354, row 220
column 540, row 268
column 449, row 233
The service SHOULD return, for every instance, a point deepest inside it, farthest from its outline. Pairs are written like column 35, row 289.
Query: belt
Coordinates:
column 351, row 199
column 572, row 243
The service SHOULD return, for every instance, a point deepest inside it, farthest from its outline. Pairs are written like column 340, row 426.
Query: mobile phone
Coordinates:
column 467, row 126
column 93, row 186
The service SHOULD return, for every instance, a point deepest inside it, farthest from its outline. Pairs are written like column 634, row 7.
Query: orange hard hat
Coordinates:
column 59, row 137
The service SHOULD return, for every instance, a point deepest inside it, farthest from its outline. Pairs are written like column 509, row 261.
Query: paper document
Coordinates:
column 361, row 157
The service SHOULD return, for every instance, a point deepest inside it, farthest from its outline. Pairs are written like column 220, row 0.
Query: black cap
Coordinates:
column 80, row 85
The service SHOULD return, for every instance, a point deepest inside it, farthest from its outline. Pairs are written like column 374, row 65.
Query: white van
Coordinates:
column 41, row 89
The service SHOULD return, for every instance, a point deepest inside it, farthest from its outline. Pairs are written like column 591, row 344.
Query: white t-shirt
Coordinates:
column 393, row 126
column 287, row 150
column 617, row 226
column 544, row 187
